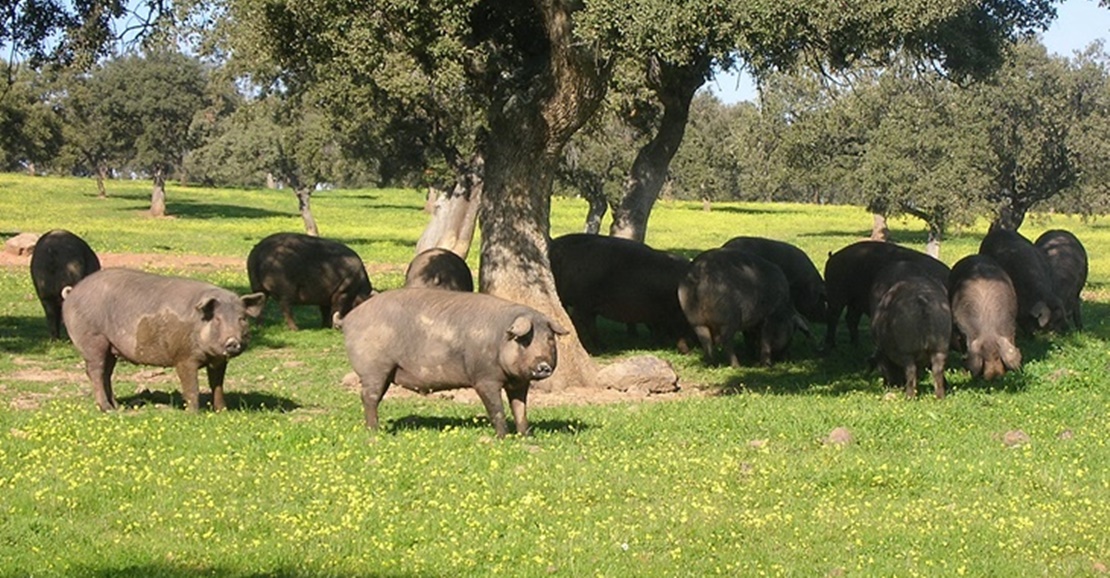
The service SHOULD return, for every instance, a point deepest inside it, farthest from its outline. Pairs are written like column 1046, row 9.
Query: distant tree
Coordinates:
column 595, row 165
column 96, row 127
column 705, row 167
column 1088, row 83
column 30, row 129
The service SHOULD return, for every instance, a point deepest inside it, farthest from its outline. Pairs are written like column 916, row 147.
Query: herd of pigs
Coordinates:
column 436, row 333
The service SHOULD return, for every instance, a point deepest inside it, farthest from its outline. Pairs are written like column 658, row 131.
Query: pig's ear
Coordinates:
column 521, row 326
column 556, row 328
column 253, row 303
column 1043, row 314
column 207, row 307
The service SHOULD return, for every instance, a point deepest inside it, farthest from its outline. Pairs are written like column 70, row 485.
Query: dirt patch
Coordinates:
column 145, row 261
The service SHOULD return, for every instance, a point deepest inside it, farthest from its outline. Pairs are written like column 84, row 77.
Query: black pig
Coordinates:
column 60, row 260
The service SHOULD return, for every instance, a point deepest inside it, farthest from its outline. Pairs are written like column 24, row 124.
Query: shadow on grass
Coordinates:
column 438, row 423
column 717, row 208
column 26, row 335
column 157, row 570
column 236, row 401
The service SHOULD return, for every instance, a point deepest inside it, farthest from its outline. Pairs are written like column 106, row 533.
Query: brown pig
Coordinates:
column 439, row 269
column 984, row 309
column 431, row 340
column 156, row 320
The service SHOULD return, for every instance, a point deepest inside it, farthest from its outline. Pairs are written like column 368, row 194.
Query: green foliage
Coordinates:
column 732, row 479
column 30, row 130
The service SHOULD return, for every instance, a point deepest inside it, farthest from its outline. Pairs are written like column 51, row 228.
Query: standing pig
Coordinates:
column 60, row 260
column 156, row 320
column 850, row 272
column 1068, row 261
column 728, row 291
column 431, row 340
column 912, row 327
column 984, row 308
column 807, row 289
column 439, row 269
column 619, row 279
column 1039, row 307
column 298, row 269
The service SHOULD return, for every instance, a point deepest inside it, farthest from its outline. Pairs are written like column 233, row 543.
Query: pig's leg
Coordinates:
column 490, row 394
column 53, row 309
column 99, row 364
column 851, row 318
column 190, row 390
column 705, row 336
column 287, row 313
column 216, row 372
column 518, row 402
column 374, row 385
column 911, row 380
column 325, row 316
column 938, row 374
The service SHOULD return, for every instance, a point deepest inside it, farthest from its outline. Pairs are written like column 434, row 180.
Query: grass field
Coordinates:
column 732, row 476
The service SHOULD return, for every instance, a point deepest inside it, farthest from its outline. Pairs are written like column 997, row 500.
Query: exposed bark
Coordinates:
column 598, row 206
column 1010, row 216
column 455, row 213
column 31, row 169
column 304, row 197
column 529, row 129
column 674, row 86
column 271, row 182
column 879, row 230
column 158, row 194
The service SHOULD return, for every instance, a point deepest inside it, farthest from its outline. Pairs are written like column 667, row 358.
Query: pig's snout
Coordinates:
column 233, row 346
column 542, row 370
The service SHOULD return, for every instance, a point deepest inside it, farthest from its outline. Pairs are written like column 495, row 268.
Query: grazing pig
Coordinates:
column 60, row 260
column 619, row 279
column 156, row 320
column 1068, row 261
column 850, row 272
column 912, row 327
column 439, row 269
column 298, row 269
column 984, row 309
column 1039, row 307
column 807, row 289
column 431, row 340
column 728, row 291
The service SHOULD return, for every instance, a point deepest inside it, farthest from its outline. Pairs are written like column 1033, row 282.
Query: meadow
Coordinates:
column 733, row 475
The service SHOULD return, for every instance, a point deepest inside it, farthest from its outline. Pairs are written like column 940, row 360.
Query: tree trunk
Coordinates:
column 101, row 176
column 271, row 182
column 598, row 206
column 674, row 86
column 1010, row 215
column 879, row 230
column 528, row 130
column 31, row 169
column 158, row 195
column 932, row 246
column 455, row 213
column 304, row 197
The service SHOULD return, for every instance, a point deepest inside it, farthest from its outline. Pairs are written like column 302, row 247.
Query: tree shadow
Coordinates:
column 168, row 570
column 717, row 208
column 440, row 423
column 250, row 401
column 27, row 335
column 188, row 209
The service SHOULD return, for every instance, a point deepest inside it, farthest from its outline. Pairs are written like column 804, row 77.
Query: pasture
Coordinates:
column 733, row 475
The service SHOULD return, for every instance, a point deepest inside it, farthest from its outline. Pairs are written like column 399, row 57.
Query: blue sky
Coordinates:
column 1077, row 24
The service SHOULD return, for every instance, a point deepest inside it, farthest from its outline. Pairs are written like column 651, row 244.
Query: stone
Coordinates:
column 645, row 374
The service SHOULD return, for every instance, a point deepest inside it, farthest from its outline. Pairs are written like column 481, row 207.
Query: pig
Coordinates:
column 807, row 289
column 431, row 340
column 1067, row 259
column 157, row 320
column 850, row 272
column 1039, row 307
column 912, row 327
column 439, row 268
column 984, row 310
column 728, row 291
column 619, row 279
column 60, row 259
column 298, row 269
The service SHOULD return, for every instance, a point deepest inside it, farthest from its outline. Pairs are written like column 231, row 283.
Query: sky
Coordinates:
column 1077, row 24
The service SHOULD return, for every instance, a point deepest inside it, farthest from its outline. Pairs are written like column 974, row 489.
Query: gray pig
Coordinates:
column 728, row 291
column 912, row 327
column 1068, row 261
column 850, row 273
column 155, row 320
column 439, row 269
column 1039, row 307
column 298, row 269
column 431, row 340
column 807, row 289
column 984, row 309
column 60, row 260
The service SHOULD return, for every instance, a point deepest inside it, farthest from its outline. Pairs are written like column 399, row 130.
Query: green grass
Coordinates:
column 735, row 482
